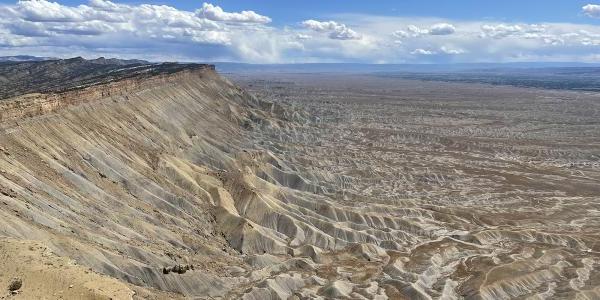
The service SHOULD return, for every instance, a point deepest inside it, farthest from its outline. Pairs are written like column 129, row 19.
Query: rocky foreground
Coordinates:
column 174, row 182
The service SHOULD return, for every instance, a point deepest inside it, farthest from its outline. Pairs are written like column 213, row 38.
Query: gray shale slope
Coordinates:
column 177, row 182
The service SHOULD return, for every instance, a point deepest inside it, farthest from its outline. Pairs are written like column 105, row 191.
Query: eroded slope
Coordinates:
column 182, row 182
column 126, row 184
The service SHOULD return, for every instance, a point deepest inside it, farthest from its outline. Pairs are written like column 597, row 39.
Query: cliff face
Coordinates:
column 31, row 105
column 51, row 76
column 124, row 177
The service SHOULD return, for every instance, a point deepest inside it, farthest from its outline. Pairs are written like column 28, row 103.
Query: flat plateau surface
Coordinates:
column 188, row 184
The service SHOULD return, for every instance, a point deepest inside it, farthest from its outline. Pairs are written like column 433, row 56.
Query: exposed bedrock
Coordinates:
column 185, row 183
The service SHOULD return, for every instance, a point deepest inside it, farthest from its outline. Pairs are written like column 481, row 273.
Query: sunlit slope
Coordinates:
column 182, row 182
column 126, row 183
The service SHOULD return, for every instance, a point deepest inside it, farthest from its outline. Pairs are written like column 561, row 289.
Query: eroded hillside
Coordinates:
column 177, row 183
column 128, row 177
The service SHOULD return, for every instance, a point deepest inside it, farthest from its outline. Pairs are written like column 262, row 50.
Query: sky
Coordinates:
column 281, row 31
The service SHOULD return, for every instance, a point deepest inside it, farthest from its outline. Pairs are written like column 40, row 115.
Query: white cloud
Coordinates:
column 301, row 36
column 546, row 34
column 401, row 34
column 102, row 27
column 106, row 5
column 420, row 51
column 451, row 51
column 554, row 41
column 161, row 32
column 443, row 50
column 336, row 30
column 442, row 29
column 44, row 11
column 143, row 24
column 29, row 29
column 216, row 13
column 415, row 31
column 345, row 34
column 500, row 30
column 592, row 10
column 84, row 28
column 590, row 42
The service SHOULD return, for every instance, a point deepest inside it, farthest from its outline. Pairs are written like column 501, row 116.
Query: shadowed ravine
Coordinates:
column 253, row 199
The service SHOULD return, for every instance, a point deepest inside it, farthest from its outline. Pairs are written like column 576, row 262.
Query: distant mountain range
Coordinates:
column 562, row 76
column 230, row 67
column 226, row 67
column 554, row 75
column 100, row 60
column 18, row 58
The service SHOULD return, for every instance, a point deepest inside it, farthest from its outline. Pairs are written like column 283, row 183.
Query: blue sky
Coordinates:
column 277, row 31
column 285, row 12
column 506, row 10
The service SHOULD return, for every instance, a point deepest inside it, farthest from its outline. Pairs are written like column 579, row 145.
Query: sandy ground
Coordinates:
column 48, row 276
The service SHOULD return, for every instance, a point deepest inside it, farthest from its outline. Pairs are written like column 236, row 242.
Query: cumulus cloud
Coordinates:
column 29, row 29
column 301, row 36
column 451, row 51
column 590, row 42
column 336, row 30
column 416, row 31
column 442, row 50
column 592, row 10
column 103, row 27
column 421, row 51
column 500, row 31
column 85, row 28
column 526, row 32
column 143, row 25
column 442, row 29
column 106, row 5
column 210, row 33
column 216, row 13
column 44, row 11
column 400, row 34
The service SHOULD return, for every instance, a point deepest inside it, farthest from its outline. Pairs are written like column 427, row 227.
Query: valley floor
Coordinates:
column 497, row 188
